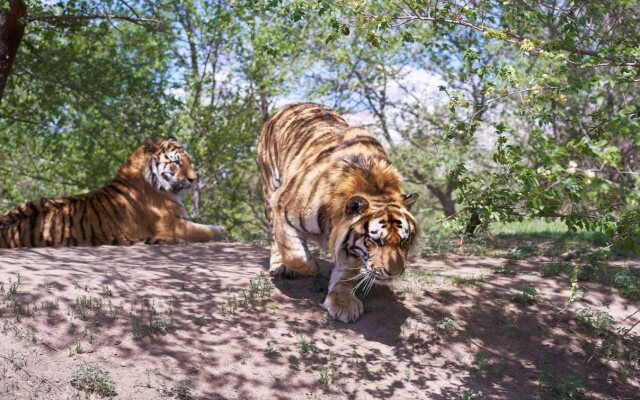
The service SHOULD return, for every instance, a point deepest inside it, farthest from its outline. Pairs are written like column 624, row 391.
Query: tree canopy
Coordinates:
column 495, row 110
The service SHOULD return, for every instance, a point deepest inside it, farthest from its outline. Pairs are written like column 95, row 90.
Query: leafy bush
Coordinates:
column 162, row 324
column 158, row 325
column 599, row 321
column 628, row 284
column 93, row 379
column 521, row 252
column 434, row 242
column 182, row 389
column 469, row 394
column 552, row 269
column 563, row 387
column 527, row 296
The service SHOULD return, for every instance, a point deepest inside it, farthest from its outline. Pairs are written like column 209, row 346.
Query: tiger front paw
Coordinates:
column 343, row 306
column 280, row 271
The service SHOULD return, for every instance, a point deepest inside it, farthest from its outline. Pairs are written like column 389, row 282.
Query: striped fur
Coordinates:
column 328, row 182
column 142, row 204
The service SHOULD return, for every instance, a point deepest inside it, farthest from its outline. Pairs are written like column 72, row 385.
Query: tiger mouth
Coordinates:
column 378, row 276
column 181, row 187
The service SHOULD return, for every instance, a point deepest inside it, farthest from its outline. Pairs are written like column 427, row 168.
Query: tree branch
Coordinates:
column 146, row 22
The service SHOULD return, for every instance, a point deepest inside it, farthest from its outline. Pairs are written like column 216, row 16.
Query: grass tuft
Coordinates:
column 307, row 345
column 182, row 389
column 527, row 296
column 596, row 320
column 93, row 379
column 628, row 284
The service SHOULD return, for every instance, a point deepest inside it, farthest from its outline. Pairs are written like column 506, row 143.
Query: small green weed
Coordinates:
column 475, row 245
column 562, row 387
column 550, row 270
column 106, row 291
column 471, row 280
column 14, row 286
column 521, row 252
column 307, row 345
column 182, row 389
column 527, row 296
column 270, row 350
column 200, row 321
column 93, row 379
column 447, row 325
column 507, row 269
column 598, row 321
column 469, row 394
column 484, row 366
column 157, row 325
column 327, row 375
column 84, row 305
column 628, row 284
column 162, row 324
column 427, row 278
column 435, row 242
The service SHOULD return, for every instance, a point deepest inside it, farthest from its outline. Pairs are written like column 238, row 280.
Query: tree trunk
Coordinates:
column 445, row 198
column 195, row 200
column 473, row 224
column 11, row 32
column 264, row 105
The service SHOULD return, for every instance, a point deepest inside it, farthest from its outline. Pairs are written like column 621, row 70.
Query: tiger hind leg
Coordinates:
column 289, row 252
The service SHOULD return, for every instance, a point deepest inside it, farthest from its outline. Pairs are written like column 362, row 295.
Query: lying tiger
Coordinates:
column 142, row 204
column 326, row 181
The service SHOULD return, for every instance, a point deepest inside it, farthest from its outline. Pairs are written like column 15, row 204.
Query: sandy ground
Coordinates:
column 449, row 329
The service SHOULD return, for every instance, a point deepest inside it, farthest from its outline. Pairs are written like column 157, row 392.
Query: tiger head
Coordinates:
column 169, row 168
column 381, row 235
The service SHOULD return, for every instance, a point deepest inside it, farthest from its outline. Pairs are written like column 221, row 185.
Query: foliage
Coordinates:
column 562, row 387
column 628, row 284
column 563, row 147
column 85, row 92
column 599, row 321
column 182, row 389
column 93, row 378
column 495, row 111
column 528, row 295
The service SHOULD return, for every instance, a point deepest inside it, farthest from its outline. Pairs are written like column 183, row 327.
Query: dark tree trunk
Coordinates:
column 445, row 198
column 473, row 224
column 11, row 32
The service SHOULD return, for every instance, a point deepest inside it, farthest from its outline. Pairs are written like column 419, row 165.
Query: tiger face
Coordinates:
column 170, row 167
column 381, row 237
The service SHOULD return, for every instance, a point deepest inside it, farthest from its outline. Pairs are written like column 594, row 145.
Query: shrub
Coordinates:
column 93, row 379
column 528, row 295
column 599, row 321
column 628, row 284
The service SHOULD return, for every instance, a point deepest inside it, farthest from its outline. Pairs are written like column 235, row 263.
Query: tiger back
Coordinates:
column 328, row 182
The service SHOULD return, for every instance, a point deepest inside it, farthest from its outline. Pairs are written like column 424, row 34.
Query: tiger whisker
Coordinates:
column 372, row 281
column 365, row 282
column 364, row 279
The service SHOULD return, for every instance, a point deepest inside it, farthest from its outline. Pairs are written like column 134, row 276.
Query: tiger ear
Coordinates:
column 149, row 144
column 409, row 199
column 356, row 205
